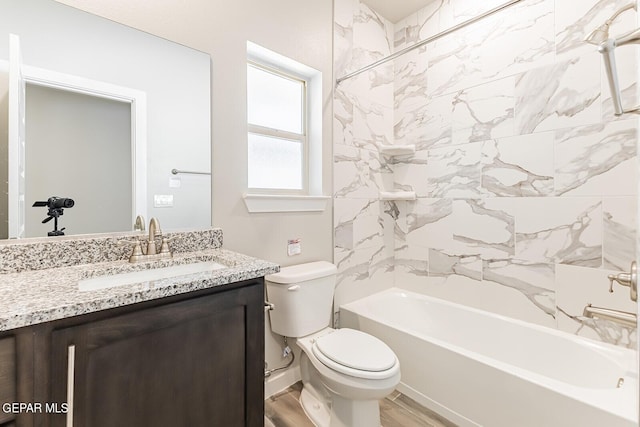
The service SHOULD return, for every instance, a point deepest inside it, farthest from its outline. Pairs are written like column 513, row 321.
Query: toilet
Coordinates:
column 345, row 372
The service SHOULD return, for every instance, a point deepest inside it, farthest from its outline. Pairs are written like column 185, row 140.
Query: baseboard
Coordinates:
column 281, row 381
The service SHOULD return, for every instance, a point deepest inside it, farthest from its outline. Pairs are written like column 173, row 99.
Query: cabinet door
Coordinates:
column 7, row 377
column 193, row 363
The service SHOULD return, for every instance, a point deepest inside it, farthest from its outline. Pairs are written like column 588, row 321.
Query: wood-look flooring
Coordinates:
column 396, row 410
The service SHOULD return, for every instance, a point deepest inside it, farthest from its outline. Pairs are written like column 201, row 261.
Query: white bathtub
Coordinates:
column 481, row 369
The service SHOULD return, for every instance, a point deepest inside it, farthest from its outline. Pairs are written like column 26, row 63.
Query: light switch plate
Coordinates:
column 162, row 200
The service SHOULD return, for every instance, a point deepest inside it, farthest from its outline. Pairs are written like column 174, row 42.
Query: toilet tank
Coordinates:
column 302, row 296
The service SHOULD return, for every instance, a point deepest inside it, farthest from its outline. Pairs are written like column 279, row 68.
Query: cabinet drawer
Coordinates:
column 7, row 375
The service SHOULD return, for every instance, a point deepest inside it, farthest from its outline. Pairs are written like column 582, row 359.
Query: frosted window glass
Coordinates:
column 274, row 101
column 274, row 163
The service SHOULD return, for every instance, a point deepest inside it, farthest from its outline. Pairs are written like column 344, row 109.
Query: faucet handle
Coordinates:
column 629, row 280
column 136, row 252
column 622, row 278
column 164, row 249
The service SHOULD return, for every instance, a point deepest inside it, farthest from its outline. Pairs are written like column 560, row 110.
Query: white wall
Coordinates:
column 90, row 136
column 301, row 30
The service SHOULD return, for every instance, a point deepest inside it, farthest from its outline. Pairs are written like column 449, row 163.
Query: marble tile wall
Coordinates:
column 526, row 182
column 363, row 121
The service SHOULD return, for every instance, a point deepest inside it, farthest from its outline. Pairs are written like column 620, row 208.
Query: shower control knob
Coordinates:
column 629, row 279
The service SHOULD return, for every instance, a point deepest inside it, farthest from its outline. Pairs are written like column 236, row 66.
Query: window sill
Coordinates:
column 259, row 203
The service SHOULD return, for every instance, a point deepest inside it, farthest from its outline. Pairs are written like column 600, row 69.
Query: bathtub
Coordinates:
column 480, row 369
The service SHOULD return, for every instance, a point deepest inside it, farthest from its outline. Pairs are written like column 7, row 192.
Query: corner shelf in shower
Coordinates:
column 397, row 195
column 397, row 150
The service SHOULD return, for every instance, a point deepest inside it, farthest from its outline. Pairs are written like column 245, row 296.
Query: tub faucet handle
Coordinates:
column 629, row 280
column 621, row 278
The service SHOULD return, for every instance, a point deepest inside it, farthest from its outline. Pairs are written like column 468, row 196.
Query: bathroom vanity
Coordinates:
column 186, row 349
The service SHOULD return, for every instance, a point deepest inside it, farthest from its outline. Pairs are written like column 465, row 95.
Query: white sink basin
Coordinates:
column 104, row 282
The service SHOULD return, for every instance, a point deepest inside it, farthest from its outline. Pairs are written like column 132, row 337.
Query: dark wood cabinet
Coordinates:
column 7, row 378
column 193, row 360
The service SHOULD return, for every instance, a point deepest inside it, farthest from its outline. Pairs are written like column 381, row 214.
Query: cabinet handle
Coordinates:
column 71, row 368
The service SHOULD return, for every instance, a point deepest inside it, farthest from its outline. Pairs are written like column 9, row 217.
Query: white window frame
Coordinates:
column 302, row 138
column 313, row 200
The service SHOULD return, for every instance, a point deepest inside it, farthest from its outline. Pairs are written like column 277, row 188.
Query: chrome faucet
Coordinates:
column 150, row 251
column 624, row 318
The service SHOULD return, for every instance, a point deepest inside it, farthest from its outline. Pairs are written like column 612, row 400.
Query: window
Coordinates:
column 284, row 115
column 277, row 130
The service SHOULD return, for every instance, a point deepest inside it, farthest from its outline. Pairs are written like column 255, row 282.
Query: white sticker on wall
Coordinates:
column 294, row 247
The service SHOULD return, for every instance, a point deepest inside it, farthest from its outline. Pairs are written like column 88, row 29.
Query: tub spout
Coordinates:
column 624, row 318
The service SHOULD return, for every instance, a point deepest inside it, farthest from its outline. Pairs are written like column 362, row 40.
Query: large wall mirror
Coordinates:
column 107, row 116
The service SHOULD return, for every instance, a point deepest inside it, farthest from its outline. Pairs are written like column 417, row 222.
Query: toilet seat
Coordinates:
column 356, row 353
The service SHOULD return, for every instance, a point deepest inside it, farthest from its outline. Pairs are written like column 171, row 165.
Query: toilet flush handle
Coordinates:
column 293, row 288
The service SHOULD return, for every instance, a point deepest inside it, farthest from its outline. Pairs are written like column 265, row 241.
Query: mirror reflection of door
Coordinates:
column 78, row 146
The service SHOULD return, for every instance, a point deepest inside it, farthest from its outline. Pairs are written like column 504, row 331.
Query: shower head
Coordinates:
column 601, row 33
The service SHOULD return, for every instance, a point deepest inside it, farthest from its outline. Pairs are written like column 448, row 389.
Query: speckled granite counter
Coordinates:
column 30, row 296
column 65, row 251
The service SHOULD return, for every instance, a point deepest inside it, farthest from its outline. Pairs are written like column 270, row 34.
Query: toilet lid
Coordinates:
column 356, row 351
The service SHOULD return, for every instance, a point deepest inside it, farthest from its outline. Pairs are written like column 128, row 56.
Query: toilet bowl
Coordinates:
column 345, row 372
column 355, row 368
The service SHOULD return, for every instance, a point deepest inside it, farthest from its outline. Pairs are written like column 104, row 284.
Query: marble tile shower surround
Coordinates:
column 525, row 180
column 42, row 253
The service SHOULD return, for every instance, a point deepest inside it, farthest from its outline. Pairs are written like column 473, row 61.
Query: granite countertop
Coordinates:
column 32, row 297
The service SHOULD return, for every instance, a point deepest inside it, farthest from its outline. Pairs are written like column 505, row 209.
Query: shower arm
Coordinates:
column 601, row 33
column 607, row 49
column 620, row 12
